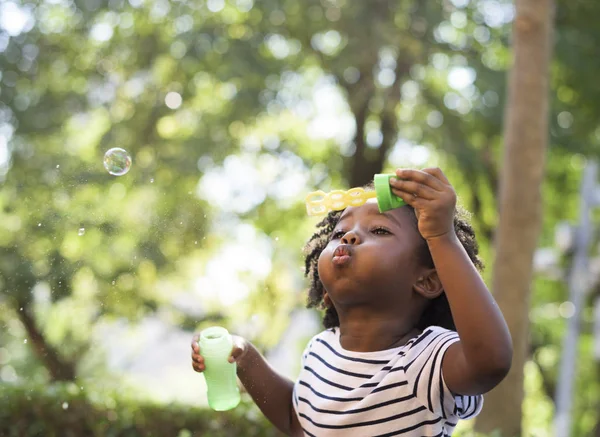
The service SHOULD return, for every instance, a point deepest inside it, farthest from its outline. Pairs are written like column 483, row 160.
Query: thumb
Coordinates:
column 236, row 354
column 238, row 350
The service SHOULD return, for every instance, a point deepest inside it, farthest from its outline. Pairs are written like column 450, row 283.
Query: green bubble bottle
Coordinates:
column 221, row 380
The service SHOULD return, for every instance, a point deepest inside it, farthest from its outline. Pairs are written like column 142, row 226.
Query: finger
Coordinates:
column 408, row 198
column 197, row 358
column 195, row 346
column 438, row 173
column 198, row 367
column 416, row 188
column 421, row 177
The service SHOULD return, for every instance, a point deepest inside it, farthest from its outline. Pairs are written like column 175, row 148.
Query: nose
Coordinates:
column 350, row 237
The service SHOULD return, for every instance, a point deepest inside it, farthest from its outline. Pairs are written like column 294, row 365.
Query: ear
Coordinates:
column 326, row 301
column 429, row 285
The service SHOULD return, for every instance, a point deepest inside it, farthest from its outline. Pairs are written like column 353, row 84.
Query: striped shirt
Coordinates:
column 394, row 392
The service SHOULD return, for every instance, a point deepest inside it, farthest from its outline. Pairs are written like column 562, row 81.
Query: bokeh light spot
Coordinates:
column 173, row 100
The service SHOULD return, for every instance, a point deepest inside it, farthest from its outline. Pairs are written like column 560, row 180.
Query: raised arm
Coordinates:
column 483, row 356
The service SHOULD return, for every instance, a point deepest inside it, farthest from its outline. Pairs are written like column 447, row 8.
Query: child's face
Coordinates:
column 371, row 258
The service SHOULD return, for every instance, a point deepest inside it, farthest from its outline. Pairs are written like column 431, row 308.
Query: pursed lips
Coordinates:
column 342, row 250
column 342, row 254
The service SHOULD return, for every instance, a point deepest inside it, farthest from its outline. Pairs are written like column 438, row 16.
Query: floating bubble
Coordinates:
column 117, row 161
column 81, row 231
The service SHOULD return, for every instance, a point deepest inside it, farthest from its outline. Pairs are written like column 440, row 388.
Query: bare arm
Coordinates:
column 271, row 392
column 482, row 357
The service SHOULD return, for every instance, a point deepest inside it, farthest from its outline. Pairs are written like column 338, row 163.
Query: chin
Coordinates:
column 349, row 296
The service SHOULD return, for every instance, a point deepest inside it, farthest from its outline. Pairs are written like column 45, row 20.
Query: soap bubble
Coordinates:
column 117, row 161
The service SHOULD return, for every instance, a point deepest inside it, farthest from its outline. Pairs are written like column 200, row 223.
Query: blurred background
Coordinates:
column 231, row 112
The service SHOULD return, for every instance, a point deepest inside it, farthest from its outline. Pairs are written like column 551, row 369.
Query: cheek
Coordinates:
column 391, row 261
column 321, row 262
column 323, row 265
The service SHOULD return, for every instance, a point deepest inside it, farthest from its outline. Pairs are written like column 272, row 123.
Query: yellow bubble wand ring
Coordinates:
column 320, row 203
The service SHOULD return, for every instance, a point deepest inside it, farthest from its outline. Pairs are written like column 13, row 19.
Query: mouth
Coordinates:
column 342, row 254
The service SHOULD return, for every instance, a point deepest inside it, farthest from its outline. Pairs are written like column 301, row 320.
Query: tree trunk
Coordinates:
column 367, row 162
column 596, row 432
column 525, row 137
column 58, row 369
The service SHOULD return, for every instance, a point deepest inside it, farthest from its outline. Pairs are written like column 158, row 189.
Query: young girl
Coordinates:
column 413, row 338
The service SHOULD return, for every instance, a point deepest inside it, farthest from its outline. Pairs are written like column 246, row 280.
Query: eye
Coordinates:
column 380, row 231
column 336, row 235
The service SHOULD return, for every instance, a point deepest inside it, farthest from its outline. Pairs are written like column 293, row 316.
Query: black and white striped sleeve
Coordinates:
column 424, row 372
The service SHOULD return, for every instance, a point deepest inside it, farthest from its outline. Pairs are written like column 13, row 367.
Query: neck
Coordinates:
column 374, row 332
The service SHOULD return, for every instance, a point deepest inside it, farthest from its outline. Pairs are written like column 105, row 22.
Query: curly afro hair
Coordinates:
column 437, row 313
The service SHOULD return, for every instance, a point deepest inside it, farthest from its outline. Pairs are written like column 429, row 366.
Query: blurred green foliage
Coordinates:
column 64, row 410
column 232, row 111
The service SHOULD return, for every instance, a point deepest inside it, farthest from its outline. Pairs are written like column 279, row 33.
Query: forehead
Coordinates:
column 402, row 216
